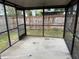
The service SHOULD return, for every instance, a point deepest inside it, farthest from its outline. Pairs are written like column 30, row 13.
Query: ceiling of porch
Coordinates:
column 39, row 3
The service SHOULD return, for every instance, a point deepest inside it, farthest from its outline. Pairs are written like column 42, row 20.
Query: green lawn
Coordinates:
column 57, row 33
column 4, row 40
column 14, row 36
column 47, row 32
column 34, row 32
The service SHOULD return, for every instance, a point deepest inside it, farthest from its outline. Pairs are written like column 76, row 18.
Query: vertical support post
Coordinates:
column 43, row 21
column 24, row 21
column 66, row 9
column 7, row 24
column 75, row 26
column 17, row 23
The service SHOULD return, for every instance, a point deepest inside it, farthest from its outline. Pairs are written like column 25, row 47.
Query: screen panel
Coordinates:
column 70, row 26
column 68, row 39
column 53, row 31
column 20, row 17
column 34, row 22
column 21, row 29
column 76, row 49
column 54, row 22
column 76, row 41
column 12, row 24
column 14, row 36
column 71, row 16
column 2, row 19
column 20, row 22
column 4, row 42
column 11, row 17
column 77, row 29
column 34, row 30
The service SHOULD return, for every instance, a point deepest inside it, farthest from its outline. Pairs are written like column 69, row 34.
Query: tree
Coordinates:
column 29, row 12
column 38, row 13
column 59, row 10
column 10, row 11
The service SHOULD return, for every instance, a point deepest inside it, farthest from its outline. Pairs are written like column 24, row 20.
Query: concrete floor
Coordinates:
column 38, row 48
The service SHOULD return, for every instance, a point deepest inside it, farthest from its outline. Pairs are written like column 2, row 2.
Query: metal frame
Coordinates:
column 45, row 7
column 22, row 36
column 43, row 34
column 74, row 30
column 75, row 27
column 71, row 3
column 43, row 21
column 17, row 7
column 7, row 31
column 24, row 21
column 7, row 25
column 65, row 22
column 13, row 5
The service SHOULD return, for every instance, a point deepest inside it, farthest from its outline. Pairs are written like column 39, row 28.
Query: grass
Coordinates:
column 54, row 32
column 4, row 42
column 34, row 32
column 47, row 32
column 14, row 36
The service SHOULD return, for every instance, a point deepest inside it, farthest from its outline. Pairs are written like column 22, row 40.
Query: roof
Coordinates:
column 39, row 3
